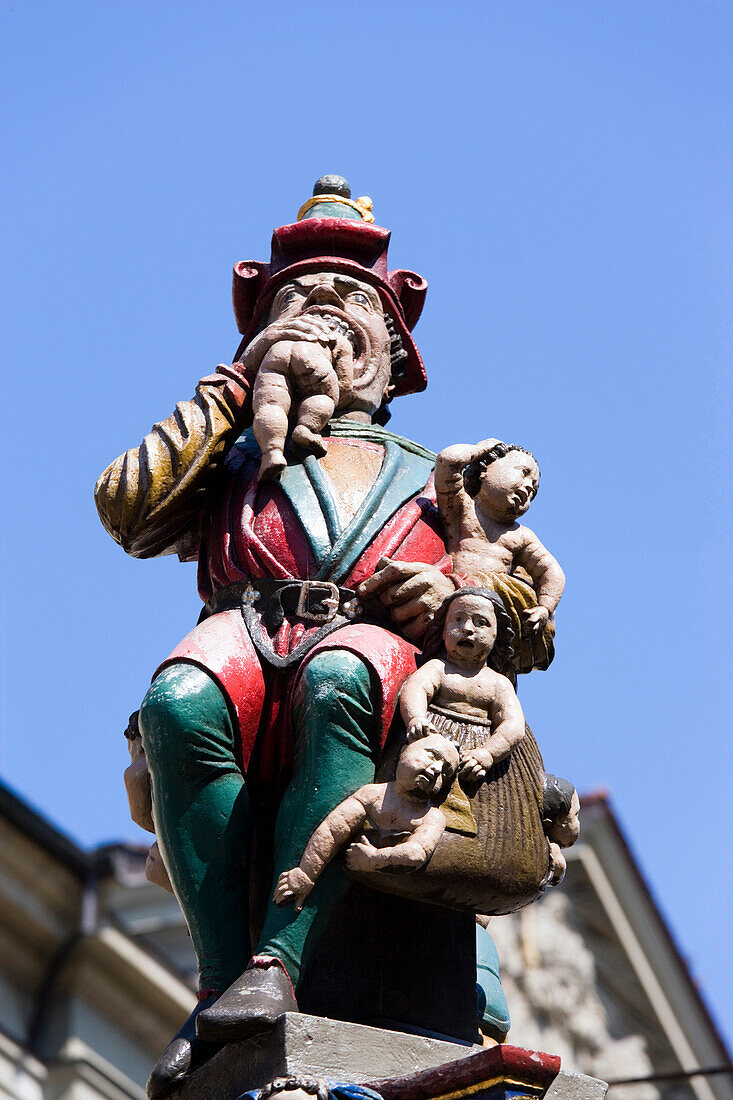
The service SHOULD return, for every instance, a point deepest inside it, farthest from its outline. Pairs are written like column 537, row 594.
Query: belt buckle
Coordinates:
column 328, row 599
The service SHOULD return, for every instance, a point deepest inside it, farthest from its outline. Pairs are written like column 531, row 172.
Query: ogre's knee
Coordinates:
column 334, row 700
column 331, row 677
column 185, row 719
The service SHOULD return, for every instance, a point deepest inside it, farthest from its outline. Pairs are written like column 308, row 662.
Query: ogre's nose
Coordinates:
column 323, row 294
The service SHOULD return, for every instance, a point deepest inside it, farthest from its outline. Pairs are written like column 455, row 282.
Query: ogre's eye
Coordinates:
column 360, row 299
column 287, row 297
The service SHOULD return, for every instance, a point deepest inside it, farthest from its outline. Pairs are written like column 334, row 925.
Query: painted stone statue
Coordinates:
column 323, row 559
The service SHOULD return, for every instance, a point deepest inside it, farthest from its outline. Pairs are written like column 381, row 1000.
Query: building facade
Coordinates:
column 97, row 970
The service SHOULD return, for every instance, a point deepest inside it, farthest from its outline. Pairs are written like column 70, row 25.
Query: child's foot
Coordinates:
column 272, row 465
column 309, row 441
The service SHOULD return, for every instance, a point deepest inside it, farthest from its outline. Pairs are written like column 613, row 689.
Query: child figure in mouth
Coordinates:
column 397, row 825
column 312, row 374
column 459, row 692
column 482, row 492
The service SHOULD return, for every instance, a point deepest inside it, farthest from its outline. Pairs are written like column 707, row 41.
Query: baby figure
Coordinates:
column 560, row 821
column 310, row 372
column 482, row 491
column 397, row 823
column 140, row 800
column 460, row 691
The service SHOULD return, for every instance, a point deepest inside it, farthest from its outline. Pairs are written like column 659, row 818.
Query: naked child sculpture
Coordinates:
column 462, row 688
column 315, row 371
column 323, row 563
column 387, row 826
column 482, row 492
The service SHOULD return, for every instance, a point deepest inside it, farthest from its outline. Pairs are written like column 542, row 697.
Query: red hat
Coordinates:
column 334, row 232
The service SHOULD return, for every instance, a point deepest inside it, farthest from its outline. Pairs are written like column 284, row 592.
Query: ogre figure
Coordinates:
column 318, row 584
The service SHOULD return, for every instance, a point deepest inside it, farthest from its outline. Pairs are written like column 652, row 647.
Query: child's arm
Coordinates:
column 547, row 576
column 453, row 500
column 507, row 719
column 558, row 865
column 409, row 855
column 417, row 693
column 333, row 832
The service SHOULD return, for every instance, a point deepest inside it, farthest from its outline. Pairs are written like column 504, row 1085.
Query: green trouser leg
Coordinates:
column 334, row 726
column 201, row 814
column 493, row 1010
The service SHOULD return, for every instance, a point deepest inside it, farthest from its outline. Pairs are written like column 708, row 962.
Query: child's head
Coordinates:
column 560, row 810
column 426, row 767
column 470, row 628
column 504, row 481
column 472, row 625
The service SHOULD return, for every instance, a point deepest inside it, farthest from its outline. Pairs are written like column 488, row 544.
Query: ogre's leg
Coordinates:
column 201, row 814
column 334, row 723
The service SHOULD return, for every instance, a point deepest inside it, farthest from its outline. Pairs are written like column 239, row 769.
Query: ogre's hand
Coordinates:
column 534, row 619
column 362, row 855
column 295, row 886
column 308, row 329
column 412, row 590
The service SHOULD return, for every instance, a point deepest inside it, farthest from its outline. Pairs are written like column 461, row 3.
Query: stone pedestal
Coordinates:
column 397, row 1065
column 332, row 1049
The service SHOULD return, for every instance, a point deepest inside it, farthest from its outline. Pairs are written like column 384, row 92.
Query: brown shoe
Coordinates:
column 250, row 1005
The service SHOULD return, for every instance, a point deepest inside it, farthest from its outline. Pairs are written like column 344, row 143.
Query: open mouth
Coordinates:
column 465, row 643
column 341, row 325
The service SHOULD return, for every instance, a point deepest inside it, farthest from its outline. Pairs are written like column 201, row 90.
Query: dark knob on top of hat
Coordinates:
column 332, row 185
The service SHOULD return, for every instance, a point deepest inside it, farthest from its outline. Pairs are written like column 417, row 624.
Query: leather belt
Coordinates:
column 266, row 602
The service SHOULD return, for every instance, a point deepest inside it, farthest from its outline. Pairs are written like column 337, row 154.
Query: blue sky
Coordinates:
column 561, row 174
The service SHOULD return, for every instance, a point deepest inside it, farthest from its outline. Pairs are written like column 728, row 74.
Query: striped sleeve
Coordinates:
column 150, row 498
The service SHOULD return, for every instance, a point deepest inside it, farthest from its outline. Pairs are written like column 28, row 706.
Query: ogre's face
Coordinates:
column 355, row 309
